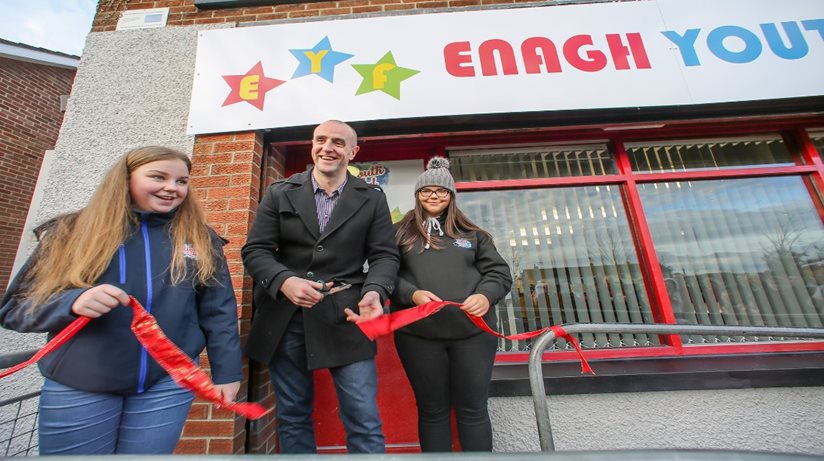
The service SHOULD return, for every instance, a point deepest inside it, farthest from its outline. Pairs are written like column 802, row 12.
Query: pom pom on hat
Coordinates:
column 437, row 162
column 436, row 174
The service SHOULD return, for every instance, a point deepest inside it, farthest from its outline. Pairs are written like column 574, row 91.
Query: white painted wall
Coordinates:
column 775, row 420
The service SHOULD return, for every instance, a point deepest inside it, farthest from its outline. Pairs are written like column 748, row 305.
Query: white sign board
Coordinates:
column 605, row 55
column 143, row 19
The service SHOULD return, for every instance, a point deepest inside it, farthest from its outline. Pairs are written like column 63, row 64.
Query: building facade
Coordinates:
column 650, row 161
column 36, row 83
column 35, row 86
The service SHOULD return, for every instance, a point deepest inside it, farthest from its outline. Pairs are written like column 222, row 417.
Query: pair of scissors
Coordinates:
column 330, row 291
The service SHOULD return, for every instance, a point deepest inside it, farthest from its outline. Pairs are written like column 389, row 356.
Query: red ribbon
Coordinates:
column 56, row 342
column 386, row 324
column 179, row 365
column 561, row 333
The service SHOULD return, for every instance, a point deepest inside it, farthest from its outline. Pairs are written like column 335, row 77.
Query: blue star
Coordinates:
column 320, row 60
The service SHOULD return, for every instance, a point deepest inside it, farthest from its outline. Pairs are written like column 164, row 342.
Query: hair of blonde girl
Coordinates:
column 79, row 248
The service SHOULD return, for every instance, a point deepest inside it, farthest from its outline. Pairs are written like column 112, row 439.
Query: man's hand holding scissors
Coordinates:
column 304, row 293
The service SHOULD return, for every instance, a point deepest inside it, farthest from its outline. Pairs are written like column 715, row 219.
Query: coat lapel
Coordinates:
column 354, row 196
column 303, row 201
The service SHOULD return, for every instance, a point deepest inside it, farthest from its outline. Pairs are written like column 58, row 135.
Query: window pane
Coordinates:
column 531, row 162
column 818, row 141
column 739, row 252
column 572, row 258
column 708, row 154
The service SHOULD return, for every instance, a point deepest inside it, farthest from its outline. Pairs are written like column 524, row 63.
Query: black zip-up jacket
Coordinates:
column 460, row 268
column 105, row 356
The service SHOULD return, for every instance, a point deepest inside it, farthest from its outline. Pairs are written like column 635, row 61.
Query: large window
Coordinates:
column 736, row 251
column 532, row 162
column 735, row 234
column 572, row 258
column 739, row 251
column 708, row 154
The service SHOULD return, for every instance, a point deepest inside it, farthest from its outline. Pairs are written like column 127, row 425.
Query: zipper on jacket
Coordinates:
column 121, row 253
column 141, row 383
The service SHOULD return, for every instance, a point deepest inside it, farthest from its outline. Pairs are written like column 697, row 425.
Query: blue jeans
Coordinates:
column 79, row 422
column 356, row 385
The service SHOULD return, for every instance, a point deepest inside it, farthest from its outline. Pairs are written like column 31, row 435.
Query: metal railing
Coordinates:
column 536, row 374
column 18, row 425
column 18, row 415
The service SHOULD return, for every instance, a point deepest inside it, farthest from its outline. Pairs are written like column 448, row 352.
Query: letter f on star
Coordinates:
column 319, row 60
column 385, row 75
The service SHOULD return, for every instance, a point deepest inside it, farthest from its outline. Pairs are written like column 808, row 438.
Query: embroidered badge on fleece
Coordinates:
column 189, row 251
column 463, row 243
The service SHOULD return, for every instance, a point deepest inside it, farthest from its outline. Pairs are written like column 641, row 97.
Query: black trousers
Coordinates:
column 447, row 374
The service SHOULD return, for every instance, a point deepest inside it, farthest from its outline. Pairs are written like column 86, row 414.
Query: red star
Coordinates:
column 250, row 87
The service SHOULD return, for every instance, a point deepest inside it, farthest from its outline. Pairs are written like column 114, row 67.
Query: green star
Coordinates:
column 384, row 76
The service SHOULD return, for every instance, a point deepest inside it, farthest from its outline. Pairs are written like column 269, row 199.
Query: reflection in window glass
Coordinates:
column 532, row 162
column 572, row 259
column 818, row 141
column 708, row 155
column 739, row 252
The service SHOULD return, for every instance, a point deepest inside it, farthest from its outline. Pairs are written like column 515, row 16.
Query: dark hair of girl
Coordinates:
column 411, row 229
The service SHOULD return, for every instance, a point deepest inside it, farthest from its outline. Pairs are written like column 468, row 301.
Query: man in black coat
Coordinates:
column 313, row 232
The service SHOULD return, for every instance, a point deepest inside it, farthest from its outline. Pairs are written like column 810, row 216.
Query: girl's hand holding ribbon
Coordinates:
column 476, row 305
column 422, row 297
column 99, row 300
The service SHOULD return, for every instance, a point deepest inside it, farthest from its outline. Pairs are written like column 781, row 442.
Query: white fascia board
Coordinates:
column 37, row 57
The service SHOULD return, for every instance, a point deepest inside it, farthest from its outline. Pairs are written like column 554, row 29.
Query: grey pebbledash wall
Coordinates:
column 785, row 419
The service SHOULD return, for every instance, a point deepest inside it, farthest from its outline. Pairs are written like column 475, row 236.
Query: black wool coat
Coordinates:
column 285, row 241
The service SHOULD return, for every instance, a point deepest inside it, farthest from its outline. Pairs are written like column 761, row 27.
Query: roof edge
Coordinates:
column 23, row 52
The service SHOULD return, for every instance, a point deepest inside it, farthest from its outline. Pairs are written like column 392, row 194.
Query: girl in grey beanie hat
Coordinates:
column 436, row 174
column 448, row 360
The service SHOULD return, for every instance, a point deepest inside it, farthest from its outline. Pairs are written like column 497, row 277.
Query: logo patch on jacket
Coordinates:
column 189, row 251
column 463, row 243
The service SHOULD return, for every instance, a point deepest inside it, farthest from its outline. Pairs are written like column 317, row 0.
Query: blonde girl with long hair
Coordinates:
column 141, row 234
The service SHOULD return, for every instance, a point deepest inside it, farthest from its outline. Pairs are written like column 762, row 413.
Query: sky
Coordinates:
column 56, row 25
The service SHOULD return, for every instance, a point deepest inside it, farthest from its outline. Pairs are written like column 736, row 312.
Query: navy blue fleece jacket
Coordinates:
column 105, row 356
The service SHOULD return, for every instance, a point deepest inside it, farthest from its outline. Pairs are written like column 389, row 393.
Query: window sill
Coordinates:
column 739, row 371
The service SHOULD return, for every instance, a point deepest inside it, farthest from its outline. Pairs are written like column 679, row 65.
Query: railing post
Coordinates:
column 536, row 382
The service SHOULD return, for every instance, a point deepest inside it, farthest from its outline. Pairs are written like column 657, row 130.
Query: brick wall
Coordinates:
column 30, row 119
column 226, row 173
column 184, row 13
column 262, row 436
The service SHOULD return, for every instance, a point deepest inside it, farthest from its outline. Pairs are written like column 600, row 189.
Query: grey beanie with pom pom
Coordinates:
column 436, row 174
